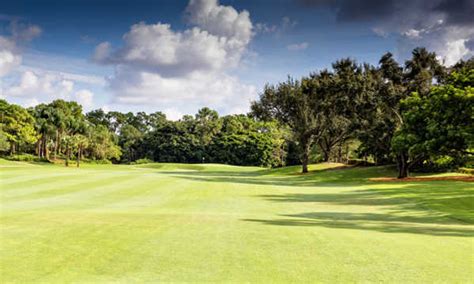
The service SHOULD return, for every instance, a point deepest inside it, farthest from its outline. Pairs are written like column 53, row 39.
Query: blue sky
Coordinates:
column 178, row 56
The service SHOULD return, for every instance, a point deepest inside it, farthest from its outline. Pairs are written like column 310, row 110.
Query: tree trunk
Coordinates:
column 12, row 148
column 45, row 148
column 306, row 147
column 339, row 153
column 38, row 148
column 78, row 156
column 402, row 163
column 326, row 150
column 56, row 144
column 67, row 154
column 325, row 154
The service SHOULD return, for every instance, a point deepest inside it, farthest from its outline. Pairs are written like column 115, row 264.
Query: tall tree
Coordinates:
column 383, row 115
column 295, row 104
column 439, row 123
column 17, row 125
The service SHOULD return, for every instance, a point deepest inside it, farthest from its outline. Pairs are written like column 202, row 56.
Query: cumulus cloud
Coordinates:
column 188, row 92
column 223, row 21
column 165, row 67
column 445, row 26
column 9, row 56
column 84, row 97
column 173, row 113
column 298, row 46
column 33, row 87
column 10, row 53
column 36, row 85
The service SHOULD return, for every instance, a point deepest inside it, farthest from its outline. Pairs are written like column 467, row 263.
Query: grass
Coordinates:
column 175, row 223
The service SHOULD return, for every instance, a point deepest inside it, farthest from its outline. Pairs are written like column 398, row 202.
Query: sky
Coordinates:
column 179, row 56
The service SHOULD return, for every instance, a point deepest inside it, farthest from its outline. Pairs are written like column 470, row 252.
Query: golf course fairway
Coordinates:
column 201, row 223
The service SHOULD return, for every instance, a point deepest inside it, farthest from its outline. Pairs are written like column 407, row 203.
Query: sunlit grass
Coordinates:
column 175, row 223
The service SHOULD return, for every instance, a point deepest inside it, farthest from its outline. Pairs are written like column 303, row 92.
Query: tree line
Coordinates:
column 61, row 130
column 418, row 115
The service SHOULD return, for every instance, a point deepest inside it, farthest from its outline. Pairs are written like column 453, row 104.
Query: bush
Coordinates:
column 466, row 171
column 26, row 158
column 96, row 162
column 141, row 161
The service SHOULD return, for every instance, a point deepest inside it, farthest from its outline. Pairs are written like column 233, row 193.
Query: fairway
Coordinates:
column 196, row 223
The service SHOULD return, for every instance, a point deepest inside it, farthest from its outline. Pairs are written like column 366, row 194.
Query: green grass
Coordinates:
column 175, row 223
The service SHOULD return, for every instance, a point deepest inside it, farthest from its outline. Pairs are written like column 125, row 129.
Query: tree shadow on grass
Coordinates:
column 439, row 209
column 386, row 223
column 320, row 177
column 445, row 207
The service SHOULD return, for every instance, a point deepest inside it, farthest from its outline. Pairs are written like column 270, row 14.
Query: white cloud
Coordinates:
column 35, row 87
column 82, row 78
column 157, row 65
column 222, row 21
column 449, row 42
column 84, row 97
column 285, row 24
column 455, row 50
column 189, row 92
column 10, row 56
column 438, row 25
column 298, row 46
column 173, row 114
column 380, row 31
column 102, row 52
column 40, row 86
column 8, row 61
column 413, row 33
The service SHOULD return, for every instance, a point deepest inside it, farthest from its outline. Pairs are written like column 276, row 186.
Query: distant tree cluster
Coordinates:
column 419, row 116
column 61, row 130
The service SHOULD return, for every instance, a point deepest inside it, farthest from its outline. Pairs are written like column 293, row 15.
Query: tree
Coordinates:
column 420, row 72
column 129, row 139
column 382, row 111
column 81, row 142
column 44, row 125
column 344, row 97
column 439, row 123
column 295, row 104
column 98, row 117
column 17, row 125
column 244, row 141
column 102, row 145
column 207, row 125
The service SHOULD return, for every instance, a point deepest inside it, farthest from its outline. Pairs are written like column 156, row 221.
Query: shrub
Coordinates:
column 141, row 161
column 26, row 158
column 466, row 171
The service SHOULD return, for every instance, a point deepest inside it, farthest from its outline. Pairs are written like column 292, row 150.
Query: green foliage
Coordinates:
column 438, row 127
column 17, row 125
column 4, row 144
column 102, row 145
column 25, row 158
column 141, row 161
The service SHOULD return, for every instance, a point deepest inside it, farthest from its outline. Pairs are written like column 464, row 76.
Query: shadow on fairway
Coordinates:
column 440, row 209
column 373, row 222
column 273, row 177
